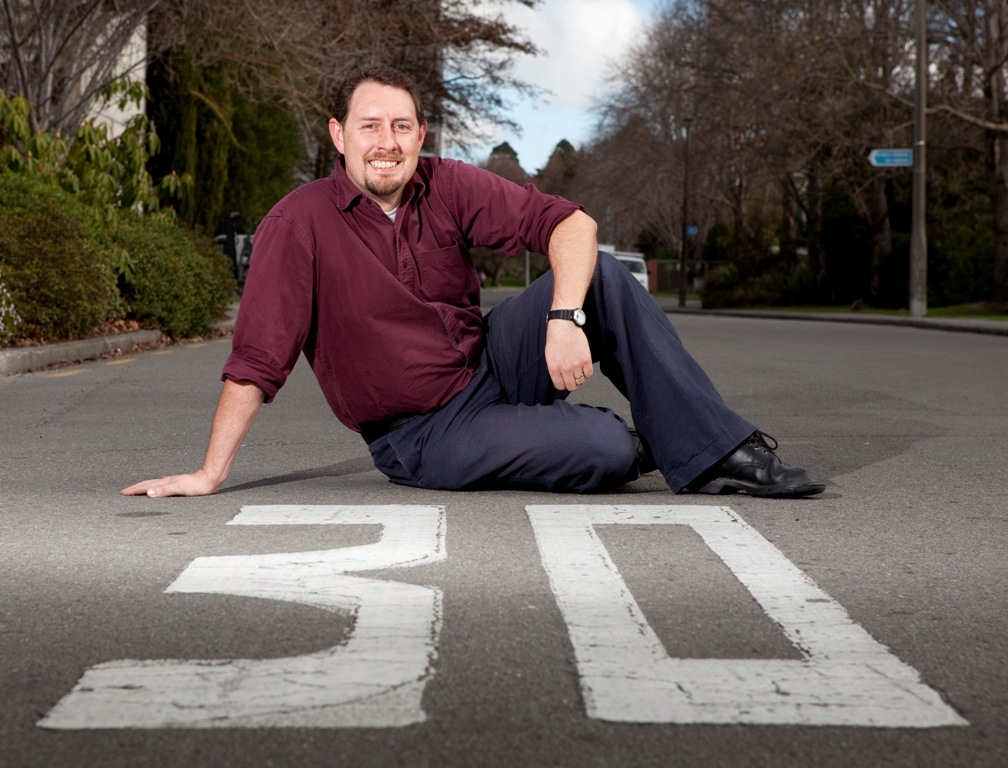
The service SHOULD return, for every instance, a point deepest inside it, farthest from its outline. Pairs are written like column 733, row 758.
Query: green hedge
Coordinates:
column 52, row 263
column 180, row 281
column 66, row 271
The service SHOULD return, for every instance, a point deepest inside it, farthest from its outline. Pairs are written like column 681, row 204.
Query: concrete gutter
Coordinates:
column 24, row 359
column 954, row 324
column 41, row 356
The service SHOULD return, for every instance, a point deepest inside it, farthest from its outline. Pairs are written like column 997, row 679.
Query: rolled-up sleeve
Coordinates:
column 502, row 215
column 275, row 314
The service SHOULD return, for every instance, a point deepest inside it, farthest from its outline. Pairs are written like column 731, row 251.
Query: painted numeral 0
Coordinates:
column 844, row 678
column 375, row 679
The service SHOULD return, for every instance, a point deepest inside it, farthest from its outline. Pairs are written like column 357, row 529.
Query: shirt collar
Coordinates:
column 348, row 195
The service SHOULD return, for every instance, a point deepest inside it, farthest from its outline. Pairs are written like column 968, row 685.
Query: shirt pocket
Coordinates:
column 448, row 275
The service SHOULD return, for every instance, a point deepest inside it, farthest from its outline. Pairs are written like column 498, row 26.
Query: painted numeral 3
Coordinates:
column 374, row 679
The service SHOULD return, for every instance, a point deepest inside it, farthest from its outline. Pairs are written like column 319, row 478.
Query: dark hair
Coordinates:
column 383, row 76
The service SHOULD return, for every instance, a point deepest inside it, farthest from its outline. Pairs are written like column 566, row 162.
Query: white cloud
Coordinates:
column 579, row 40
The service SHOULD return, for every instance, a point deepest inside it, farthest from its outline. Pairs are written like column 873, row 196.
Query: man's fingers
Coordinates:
column 137, row 489
column 580, row 375
column 165, row 486
column 147, row 487
column 572, row 378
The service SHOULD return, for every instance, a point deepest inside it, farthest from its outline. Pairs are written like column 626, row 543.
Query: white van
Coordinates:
column 635, row 263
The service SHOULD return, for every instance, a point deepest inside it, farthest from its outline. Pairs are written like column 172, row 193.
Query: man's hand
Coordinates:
column 196, row 484
column 236, row 410
column 568, row 356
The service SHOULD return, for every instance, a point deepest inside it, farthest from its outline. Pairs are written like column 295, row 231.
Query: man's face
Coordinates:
column 380, row 141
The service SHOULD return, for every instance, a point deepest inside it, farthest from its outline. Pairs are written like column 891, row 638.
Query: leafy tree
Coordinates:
column 503, row 161
column 293, row 54
column 107, row 172
column 560, row 169
column 262, row 164
column 284, row 59
column 194, row 110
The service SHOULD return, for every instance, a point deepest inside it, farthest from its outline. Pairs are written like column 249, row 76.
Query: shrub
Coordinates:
column 180, row 281
column 108, row 173
column 54, row 270
column 9, row 318
column 72, row 245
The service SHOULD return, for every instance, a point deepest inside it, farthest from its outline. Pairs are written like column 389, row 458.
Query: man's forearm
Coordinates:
column 237, row 409
column 573, row 250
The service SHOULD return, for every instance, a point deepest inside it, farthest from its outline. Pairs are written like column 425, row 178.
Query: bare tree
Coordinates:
column 773, row 96
column 62, row 54
column 636, row 174
column 296, row 51
column 972, row 48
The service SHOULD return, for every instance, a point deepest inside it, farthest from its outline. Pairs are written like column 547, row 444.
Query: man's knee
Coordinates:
column 604, row 458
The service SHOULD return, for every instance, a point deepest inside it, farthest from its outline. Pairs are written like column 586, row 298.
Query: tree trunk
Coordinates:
column 881, row 237
column 997, row 159
column 788, row 225
column 995, row 15
column 814, row 212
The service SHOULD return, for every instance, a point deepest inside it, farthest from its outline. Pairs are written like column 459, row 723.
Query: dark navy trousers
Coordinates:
column 511, row 428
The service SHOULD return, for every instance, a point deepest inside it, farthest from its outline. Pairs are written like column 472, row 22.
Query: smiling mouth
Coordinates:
column 383, row 164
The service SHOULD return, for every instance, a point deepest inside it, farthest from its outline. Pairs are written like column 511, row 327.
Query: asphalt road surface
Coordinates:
column 313, row 614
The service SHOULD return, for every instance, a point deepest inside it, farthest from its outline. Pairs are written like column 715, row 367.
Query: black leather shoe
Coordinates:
column 645, row 461
column 753, row 468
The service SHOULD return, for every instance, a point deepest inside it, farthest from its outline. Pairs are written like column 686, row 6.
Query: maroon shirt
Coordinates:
column 387, row 314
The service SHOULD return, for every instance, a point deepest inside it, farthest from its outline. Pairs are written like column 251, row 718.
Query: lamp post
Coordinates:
column 918, row 235
column 685, row 213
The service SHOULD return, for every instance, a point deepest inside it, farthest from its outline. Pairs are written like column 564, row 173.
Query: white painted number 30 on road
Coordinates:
column 376, row 678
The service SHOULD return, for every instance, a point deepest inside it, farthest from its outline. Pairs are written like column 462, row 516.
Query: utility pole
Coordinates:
column 685, row 214
column 918, row 235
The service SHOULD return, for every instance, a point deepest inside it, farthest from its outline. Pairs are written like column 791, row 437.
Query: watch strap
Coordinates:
column 576, row 316
column 560, row 314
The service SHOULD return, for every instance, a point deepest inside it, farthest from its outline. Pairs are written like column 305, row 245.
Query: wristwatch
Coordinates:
column 576, row 316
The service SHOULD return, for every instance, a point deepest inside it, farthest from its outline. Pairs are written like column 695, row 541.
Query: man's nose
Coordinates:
column 386, row 136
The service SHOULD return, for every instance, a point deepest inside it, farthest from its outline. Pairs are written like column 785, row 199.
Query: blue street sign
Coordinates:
column 891, row 158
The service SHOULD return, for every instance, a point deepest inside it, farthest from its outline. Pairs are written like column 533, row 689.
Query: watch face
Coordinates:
column 579, row 317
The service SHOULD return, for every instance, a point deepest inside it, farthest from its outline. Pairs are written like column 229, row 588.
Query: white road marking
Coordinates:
column 375, row 679
column 844, row 678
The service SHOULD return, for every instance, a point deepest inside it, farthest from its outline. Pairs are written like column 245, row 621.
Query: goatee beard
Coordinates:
column 383, row 187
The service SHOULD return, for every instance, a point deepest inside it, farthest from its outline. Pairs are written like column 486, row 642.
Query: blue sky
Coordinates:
column 579, row 39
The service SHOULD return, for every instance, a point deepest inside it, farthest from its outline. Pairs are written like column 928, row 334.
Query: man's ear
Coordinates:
column 423, row 132
column 336, row 132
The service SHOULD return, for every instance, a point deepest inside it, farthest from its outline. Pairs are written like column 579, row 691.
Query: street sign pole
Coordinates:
column 685, row 214
column 918, row 234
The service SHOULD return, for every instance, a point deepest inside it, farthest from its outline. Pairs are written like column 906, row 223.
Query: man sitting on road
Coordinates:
column 368, row 274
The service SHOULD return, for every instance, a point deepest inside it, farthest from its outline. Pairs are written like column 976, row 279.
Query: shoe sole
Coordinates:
column 721, row 487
